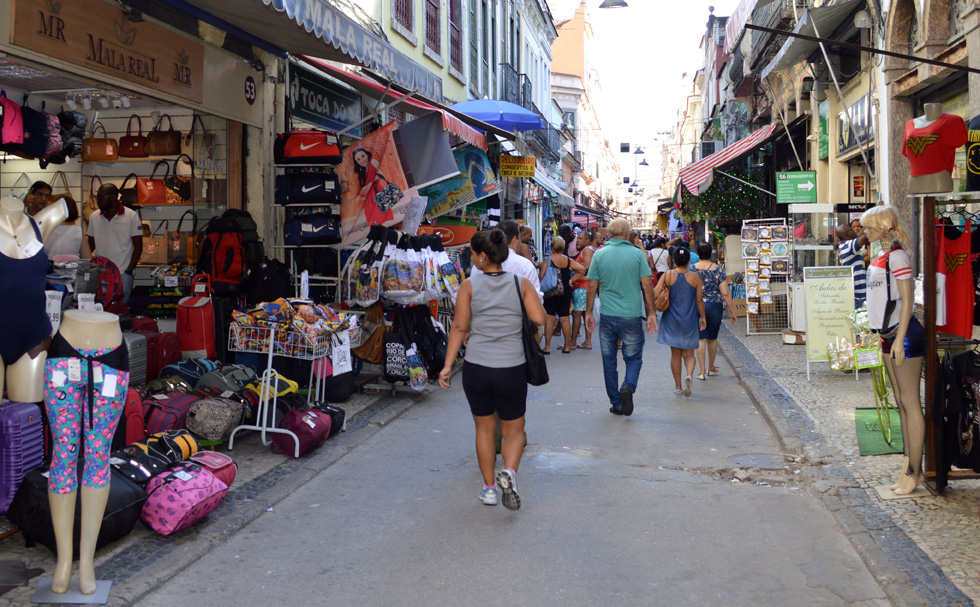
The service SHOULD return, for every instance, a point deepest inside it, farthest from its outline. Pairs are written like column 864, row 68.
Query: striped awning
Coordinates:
column 697, row 177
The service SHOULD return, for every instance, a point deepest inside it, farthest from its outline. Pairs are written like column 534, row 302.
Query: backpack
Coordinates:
column 254, row 252
column 11, row 125
column 35, row 132
column 223, row 255
column 268, row 281
column 107, row 285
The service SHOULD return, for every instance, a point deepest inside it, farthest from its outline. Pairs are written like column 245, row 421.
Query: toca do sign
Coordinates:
column 96, row 35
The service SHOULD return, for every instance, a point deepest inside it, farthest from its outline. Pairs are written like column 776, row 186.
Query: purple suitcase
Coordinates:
column 21, row 446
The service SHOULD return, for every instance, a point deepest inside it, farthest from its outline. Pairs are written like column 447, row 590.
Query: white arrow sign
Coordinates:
column 805, row 186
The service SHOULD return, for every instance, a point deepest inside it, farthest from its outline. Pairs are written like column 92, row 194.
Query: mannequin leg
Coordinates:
column 93, row 509
column 905, row 472
column 897, row 392
column 63, row 520
column 907, row 377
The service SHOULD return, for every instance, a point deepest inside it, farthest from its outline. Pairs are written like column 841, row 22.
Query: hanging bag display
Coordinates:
column 92, row 202
column 307, row 188
column 306, row 147
column 53, row 147
column 133, row 146
column 161, row 142
column 11, row 125
column 99, row 149
column 155, row 244
column 129, row 194
column 180, row 187
column 182, row 245
column 312, row 229
column 152, row 191
column 35, row 133
column 535, row 365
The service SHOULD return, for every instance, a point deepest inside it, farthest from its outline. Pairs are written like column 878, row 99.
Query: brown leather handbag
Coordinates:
column 133, row 146
column 161, row 142
column 99, row 149
column 152, row 191
column 92, row 203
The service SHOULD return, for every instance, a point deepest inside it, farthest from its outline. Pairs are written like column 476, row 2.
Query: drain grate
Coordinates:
column 762, row 461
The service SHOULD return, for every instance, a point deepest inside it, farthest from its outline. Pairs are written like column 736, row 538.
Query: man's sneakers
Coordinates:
column 627, row 395
column 615, row 411
column 488, row 496
column 507, row 481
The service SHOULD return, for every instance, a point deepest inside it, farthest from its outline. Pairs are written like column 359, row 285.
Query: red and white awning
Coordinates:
column 697, row 177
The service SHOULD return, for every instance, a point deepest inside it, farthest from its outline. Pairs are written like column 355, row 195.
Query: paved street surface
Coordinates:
column 617, row 511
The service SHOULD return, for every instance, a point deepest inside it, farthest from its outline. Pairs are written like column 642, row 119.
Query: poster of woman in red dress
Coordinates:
column 373, row 184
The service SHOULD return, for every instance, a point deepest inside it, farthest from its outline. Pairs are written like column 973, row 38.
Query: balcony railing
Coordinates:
column 548, row 138
column 527, row 100
column 510, row 84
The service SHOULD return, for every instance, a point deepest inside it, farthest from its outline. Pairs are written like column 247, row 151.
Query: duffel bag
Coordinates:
column 164, row 385
column 138, row 464
column 307, row 188
column 31, row 511
column 218, row 464
column 191, row 370
column 175, row 446
column 180, row 497
column 165, row 412
column 248, row 399
column 281, row 386
column 312, row 228
column 214, row 418
column 306, row 147
column 227, row 377
column 338, row 417
column 311, row 427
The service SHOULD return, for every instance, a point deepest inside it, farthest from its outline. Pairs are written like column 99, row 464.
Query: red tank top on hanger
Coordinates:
column 953, row 260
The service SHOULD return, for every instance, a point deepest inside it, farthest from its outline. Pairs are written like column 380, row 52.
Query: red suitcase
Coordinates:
column 131, row 424
column 21, row 447
column 195, row 321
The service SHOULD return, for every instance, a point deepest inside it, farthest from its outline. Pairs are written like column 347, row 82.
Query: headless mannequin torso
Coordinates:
column 936, row 182
column 25, row 378
column 82, row 330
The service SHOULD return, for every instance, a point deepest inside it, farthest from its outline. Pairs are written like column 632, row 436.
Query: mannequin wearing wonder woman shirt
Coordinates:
column 23, row 271
column 930, row 144
column 902, row 337
column 86, row 377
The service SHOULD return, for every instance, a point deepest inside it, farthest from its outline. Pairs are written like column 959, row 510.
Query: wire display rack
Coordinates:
column 278, row 340
column 767, row 298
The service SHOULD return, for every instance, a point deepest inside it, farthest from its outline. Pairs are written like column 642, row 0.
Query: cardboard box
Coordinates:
column 794, row 338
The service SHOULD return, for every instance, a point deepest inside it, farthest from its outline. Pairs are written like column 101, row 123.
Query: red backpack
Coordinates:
column 223, row 255
column 110, row 282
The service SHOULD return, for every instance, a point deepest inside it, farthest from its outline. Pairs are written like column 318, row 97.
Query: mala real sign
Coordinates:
column 318, row 101
column 517, row 166
column 829, row 293
column 97, row 35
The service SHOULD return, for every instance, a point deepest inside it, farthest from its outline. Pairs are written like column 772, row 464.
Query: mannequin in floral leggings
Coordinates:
column 86, row 378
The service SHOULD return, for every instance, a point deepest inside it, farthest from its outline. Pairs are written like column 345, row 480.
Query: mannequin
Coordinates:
column 903, row 338
column 23, row 351
column 82, row 422
column 930, row 144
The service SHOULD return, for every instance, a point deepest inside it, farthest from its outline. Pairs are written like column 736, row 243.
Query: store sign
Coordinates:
column 476, row 181
column 96, row 35
column 829, row 293
column 316, row 100
column 861, row 130
column 328, row 22
column 796, row 187
column 450, row 235
column 517, row 166
column 858, row 207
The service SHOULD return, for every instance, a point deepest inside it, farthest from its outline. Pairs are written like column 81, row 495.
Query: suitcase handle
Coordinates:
column 201, row 279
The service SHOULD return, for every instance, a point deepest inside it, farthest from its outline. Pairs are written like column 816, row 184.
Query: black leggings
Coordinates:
column 492, row 390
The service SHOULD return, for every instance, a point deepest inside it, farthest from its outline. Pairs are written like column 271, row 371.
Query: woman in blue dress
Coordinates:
column 684, row 318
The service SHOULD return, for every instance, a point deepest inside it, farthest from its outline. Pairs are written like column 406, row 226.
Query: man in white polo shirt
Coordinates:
column 516, row 263
column 117, row 233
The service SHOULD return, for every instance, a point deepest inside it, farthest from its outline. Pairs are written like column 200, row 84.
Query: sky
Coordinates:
column 640, row 53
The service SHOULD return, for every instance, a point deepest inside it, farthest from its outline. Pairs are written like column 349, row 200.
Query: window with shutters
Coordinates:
column 474, row 48
column 456, row 38
column 433, row 27
column 484, row 13
column 403, row 19
column 493, row 49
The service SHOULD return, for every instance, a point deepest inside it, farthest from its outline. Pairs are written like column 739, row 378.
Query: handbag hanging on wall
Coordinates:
column 155, row 246
column 128, row 194
column 99, row 149
column 163, row 143
column 180, row 187
column 152, row 191
column 182, row 245
column 133, row 146
column 92, row 202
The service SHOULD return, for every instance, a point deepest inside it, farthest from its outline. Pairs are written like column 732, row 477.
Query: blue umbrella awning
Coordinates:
column 501, row 114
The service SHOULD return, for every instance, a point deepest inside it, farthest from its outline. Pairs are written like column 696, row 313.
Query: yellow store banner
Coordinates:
column 517, row 166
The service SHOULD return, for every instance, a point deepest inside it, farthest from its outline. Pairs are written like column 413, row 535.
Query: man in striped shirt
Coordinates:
column 850, row 253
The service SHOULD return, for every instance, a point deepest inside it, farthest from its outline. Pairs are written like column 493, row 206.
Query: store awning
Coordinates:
column 549, row 184
column 321, row 29
column 826, row 19
column 369, row 87
column 697, row 177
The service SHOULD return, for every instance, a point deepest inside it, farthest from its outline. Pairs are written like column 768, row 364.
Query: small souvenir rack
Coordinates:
column 766, row 249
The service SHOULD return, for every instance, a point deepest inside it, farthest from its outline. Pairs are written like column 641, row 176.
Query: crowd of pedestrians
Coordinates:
column 610, row 282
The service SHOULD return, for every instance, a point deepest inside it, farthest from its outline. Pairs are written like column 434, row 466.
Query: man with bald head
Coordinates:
column 849, row 252
column 622, row 273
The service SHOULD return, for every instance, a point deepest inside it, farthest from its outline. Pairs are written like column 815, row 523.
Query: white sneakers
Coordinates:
column 507, row 481
column 488, row 496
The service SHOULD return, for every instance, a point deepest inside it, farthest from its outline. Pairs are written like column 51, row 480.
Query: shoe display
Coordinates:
column 615, row 411
column 488, row 496
column 687, row 386
column 627, row 395
column 507, row 481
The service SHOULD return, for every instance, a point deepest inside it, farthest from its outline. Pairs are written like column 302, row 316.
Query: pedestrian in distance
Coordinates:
column 560, row 306
column 580, row 289
column 716, row 296
column 488, row 313
column 659, row 254
column 683, row 320
column 621, row 272
column 515, row 262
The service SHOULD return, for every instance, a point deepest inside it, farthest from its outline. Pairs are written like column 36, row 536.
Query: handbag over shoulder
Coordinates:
column 535, row 365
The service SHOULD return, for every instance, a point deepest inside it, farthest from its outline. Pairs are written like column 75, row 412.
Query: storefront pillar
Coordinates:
column 971, row 22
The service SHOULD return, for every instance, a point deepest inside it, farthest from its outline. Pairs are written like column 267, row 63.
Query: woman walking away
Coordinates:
column 560, row 305
column 716, row 295
column 683, row 318
column 659, row 255
column 488, row 309
column 581, row 287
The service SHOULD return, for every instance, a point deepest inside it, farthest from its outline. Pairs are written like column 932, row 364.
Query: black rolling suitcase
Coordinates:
column 31, row 512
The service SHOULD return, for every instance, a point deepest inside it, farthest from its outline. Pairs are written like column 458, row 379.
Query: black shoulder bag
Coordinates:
column 537, row 369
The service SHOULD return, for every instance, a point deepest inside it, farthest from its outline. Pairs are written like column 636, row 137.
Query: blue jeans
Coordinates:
column 630, row 332
column 127, row 285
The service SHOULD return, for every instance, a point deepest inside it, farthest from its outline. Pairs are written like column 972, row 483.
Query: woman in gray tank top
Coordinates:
column 488, row 310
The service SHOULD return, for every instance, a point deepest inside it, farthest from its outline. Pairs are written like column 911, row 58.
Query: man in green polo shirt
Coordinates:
column 621, row 272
